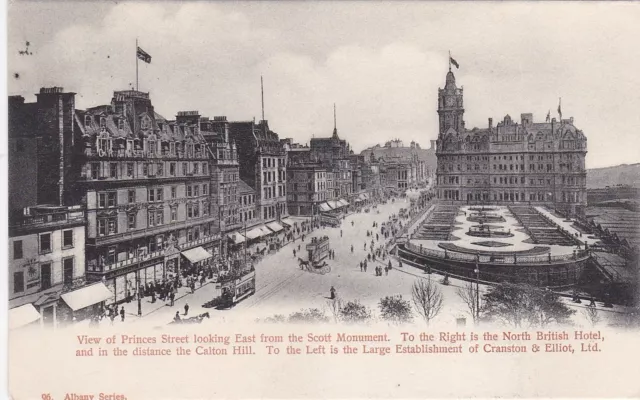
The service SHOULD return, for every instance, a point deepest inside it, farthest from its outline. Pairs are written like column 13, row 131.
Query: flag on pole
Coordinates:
column 560, row 108
column 143, row 55
column 454, row 62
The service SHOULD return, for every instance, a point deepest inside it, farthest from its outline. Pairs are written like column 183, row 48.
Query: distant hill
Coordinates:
column 625, row 174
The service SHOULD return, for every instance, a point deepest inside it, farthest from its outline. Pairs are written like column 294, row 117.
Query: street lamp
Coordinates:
column 477, row 271
column 139, row 293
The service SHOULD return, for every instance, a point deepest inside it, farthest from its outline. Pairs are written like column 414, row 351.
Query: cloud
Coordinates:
column 381, row 63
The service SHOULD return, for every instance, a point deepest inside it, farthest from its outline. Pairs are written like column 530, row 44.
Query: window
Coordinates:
column 205, row 168
column 205, row 189
column 130, row 170
column 45, row 243
column 87, row 120
column 151, row 218
column 173, row 192
column 189, row 191
column 107, row 199
column 131, row 196
column 103, row 123
column 67, row 238
column 18, row 282
column 196, row 190
column 95, row 168
column 151, row 195
column 172, row 169
column 113, row 170
column 174, row 214
column 121, row 124
column 67, row 271
column 131, row 221
column 185, row 168
column 145, row 169
column 45, row 277
column 160, row 169
column 107, row 226
column 159, row 217
column 196, row 168
column 17, row 249
column 159, row 194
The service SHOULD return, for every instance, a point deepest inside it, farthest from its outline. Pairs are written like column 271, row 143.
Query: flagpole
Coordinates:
column 137, row 86
column 449, row 60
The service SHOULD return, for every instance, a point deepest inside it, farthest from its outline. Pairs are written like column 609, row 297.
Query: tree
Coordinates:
column 355, row 313
column 592, row 315
column 427, row 299
column 469, row 296
column 524, row 305
column 308, row 316
column 395, row 310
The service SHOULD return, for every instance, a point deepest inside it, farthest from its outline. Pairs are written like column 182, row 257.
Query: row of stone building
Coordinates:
column 106, row 199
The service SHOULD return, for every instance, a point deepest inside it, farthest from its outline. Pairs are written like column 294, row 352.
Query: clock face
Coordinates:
column 451, row 102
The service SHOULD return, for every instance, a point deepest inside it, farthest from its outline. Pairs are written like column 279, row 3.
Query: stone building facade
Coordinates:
column 306, row 188
column 262, row 161
column 538, row 163
column 147, row 185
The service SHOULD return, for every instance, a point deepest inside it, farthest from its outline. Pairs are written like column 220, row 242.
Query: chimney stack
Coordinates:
column 490, row 123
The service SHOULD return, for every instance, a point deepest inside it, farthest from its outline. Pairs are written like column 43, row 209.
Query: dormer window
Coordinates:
column 121, row 124
column 103, row 123
column 87, row 121
column 172, row 148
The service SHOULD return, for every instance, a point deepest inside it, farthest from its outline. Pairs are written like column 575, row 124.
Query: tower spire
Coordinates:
column 449, row 60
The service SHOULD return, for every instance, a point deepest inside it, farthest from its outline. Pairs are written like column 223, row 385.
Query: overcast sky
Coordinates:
column 381, row 63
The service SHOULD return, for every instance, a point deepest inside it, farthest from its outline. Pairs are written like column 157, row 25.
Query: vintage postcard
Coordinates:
column 322, row 200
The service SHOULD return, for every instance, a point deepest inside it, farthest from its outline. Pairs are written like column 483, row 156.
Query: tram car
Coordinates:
column 234, row 290
column 318, row 250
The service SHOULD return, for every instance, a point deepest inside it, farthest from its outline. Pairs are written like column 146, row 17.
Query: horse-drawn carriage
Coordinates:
column 193, row 320
column 318, row 250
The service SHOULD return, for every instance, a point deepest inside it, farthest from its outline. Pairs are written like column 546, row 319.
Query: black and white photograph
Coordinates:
column 445, row 184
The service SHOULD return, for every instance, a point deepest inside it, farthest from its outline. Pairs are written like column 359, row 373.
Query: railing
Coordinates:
column 138, row 233
column 158, row 253
column 48, row 220
column 498, row 258
column 141, row 154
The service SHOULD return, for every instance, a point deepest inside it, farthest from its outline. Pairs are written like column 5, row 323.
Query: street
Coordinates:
column 283, row 288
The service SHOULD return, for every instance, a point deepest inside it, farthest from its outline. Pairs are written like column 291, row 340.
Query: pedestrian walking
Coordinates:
column 177, row 317
column 298, row 247
column 186, row 309
column 352, row 248
column 360, row 266
column 122, row 314
column 386, row 271
column 172, row 297
column 365, row 245
column 294, row 253
column 340, row 232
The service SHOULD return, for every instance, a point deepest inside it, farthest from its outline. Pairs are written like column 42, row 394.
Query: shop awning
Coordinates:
column 343, row 202
column 265, row 231
column 325, row 207
column 23, row 315
column 287, row 221
column 274, row 226
column 254, row 233
column 362, row 197
column 196, row 254
column 365, row 195
column 333, row 204
column 87, row 296
column 236, row 237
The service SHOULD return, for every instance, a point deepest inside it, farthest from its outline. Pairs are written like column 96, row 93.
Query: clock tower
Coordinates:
column 450, row 107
